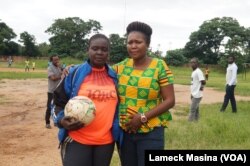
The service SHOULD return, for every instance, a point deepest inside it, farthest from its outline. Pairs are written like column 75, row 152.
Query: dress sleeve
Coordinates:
column 165, row 74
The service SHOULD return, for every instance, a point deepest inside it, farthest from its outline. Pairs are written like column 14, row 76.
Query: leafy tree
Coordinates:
column 44, row 49
column 175, row 57
column 246, row 44
column 118, row 50
column 154, row 54
column 12, row 48
column 69, row 35
column 28, row 41
column 7, row 47
column 216, row 39
column 81, row 55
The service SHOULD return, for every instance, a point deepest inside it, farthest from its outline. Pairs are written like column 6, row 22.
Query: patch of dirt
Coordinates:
column 24, row 139
column 210, row 96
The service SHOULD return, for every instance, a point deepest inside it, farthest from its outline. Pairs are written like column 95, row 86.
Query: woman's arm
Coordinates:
column 167, row 93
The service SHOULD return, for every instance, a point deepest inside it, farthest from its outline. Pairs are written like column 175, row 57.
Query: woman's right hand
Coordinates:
column 71, row 123
column 65, row 71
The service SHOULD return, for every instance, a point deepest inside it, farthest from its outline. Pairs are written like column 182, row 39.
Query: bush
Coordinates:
column 81, row 55
column 175, row 57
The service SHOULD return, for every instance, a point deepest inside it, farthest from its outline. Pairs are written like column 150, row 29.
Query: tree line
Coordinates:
column 211, row 43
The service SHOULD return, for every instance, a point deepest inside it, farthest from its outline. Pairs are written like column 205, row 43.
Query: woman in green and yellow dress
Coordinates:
column 146, row 94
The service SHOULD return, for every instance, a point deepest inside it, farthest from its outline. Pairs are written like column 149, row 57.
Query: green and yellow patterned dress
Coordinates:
column 139, row 91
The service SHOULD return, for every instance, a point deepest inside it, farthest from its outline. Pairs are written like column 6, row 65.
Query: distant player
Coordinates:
column 231, row 81
column 197, row 85
column 206, row 72
column 27, row 65
column 10, row 61
column 33, row 65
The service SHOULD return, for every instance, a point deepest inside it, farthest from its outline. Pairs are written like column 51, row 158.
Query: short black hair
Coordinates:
column 195, row 60
column 97, row 36
column 232, row 57
column 141, row 27
column 51, row 57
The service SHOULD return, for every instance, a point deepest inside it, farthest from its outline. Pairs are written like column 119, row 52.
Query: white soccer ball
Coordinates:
column 82, row 108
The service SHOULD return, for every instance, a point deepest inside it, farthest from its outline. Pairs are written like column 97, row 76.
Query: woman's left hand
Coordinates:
column 134, row 124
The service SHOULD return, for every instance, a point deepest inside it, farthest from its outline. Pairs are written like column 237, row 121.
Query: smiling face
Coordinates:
column 136, row 45
column 98, row 52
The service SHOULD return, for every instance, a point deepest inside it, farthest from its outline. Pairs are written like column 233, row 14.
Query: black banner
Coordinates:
column 197, row 157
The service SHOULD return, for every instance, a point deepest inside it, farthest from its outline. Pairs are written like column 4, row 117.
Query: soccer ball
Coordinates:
column 82, row 108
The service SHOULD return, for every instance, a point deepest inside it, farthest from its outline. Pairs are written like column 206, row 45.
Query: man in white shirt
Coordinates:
column 197, row 85
column 231, row 81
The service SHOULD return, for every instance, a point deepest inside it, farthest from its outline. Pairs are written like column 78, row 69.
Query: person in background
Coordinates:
column 10, row 61
column 27, row 65
column 91, row 145
column 33, row 65
column 197, row 85
column 206, row 72
column 231, row 81
column 146, row 94
column 54, row 77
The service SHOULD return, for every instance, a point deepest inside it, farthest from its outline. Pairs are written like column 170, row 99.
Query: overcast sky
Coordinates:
column 172, row 21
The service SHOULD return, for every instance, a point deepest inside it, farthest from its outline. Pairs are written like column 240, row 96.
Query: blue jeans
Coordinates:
column 134, row 146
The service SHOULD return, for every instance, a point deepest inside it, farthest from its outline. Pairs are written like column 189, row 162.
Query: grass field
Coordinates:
column 214, row 130
column 181, row 74
column 40, row 63
column 216, row 79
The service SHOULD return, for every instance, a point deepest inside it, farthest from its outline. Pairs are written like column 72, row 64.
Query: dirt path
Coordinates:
column 210, row 96
column 24, row 139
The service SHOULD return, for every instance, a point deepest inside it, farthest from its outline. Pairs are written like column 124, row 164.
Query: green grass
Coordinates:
column 214, row 130
column 69, row 61
column 40, row 63
column 22, row 75
column 182, row 75
column 115, row 159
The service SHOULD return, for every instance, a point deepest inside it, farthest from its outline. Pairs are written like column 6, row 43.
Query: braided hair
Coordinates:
column 141, row 27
